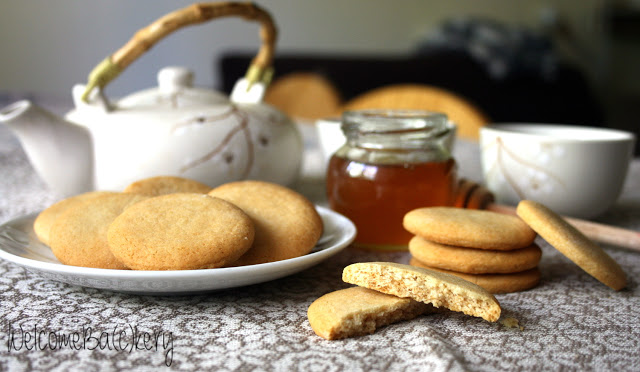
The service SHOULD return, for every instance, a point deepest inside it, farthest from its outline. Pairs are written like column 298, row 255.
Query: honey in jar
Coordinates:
column 393, row 161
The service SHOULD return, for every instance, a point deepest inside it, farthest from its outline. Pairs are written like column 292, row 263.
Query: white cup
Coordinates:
column 576, row 171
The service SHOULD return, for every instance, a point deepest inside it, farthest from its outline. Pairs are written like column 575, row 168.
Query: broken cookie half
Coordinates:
column 388, row 292
column 358, row 311
column 424, row 285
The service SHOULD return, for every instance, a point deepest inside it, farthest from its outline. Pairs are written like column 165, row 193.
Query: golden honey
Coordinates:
column 393, row 162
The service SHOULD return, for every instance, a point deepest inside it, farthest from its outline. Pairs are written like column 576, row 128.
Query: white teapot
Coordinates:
column 173, row 129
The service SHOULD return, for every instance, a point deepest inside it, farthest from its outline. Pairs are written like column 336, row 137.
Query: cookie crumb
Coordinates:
column 511, row 323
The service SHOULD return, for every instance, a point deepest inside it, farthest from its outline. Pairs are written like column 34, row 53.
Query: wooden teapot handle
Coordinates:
column 259, row 70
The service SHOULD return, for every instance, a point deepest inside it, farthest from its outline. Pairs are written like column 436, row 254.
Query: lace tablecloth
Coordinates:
column 569, row 322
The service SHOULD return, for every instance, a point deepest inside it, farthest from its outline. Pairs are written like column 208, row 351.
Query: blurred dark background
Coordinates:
column 561, row 61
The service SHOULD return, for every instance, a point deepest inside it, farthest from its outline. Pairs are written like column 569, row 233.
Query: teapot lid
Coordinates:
column 175, row 90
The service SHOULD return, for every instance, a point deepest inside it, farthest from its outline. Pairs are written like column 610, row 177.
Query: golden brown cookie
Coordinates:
column 287, row 224
column 44, row 221
column 474, row 261
column 494, row 283
column 78, row 236
column 469, row 228
column 162, row 185
column 424, row 285
column 180, row 231
column 572, row 243
column 358, row 311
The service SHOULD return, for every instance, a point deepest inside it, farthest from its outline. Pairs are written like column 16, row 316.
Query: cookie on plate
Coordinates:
column 494, row 283
column 572, row 243
column 162, row 185
column 287, row 224
column 424, row 285
column 180, row 231
column 46, row 218
column 78, row 235
column 358, row 311
column 469, row 228
column 474, row 261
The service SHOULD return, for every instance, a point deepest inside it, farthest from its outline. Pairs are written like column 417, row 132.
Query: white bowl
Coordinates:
column 576, row 171
column 330, row 136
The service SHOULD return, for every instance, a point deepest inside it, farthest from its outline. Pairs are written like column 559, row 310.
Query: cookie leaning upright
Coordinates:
column 180, row 231
column 469, row 228
column 572, row 243
column 287, row 224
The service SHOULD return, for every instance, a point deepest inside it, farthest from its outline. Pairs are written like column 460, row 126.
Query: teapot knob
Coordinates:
column 173, row 79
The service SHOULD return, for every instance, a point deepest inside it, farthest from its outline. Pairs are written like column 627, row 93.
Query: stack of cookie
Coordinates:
column 492, row 250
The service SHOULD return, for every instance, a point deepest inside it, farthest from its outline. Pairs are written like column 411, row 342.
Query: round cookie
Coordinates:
column 358, row 311
column 424, row 285
column 494, row 283
column 474, row 261
column 469, row 228
column 572, row 243
column 287, row 224
column 180, row 231
column 162, row 185
column 79, row 235
column 46, row 218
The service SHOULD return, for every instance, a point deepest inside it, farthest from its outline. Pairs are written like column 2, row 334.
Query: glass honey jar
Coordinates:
column 393, row 161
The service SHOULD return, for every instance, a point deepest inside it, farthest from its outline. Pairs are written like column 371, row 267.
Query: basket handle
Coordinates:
column 260, row 68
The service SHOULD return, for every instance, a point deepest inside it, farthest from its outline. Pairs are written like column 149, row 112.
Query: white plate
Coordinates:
column 19, row 244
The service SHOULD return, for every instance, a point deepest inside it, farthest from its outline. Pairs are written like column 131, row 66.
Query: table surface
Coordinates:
column 570, row 321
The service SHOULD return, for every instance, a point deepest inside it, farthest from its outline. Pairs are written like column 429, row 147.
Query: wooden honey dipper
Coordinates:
column 474, row 196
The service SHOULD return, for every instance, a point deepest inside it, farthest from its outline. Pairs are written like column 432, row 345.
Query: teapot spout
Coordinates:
column 61, row 152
